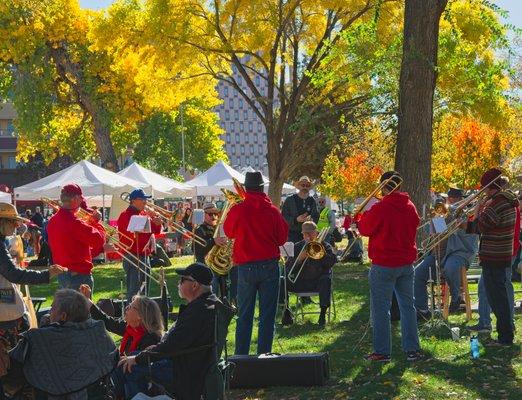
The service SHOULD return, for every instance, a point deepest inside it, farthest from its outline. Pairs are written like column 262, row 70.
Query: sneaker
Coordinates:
column 322, row 321
column 377, row 357
column 479, row 328
column 413, row 355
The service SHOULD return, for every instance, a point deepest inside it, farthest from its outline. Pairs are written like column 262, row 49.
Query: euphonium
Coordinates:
column 219, row 258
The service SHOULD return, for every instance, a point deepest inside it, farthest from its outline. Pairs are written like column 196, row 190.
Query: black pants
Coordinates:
column 323, row 285
column 496, row 291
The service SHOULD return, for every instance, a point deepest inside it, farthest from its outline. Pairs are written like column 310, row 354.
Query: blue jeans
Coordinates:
column 135, row 278
column 421, row 277
column 135, row 382
column 452, row 266
column 484, row 309
column 383, row 282
column 261, row 279
column 72, row 280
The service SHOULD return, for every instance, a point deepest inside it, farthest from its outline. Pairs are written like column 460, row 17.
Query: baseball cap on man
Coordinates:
column 72, row 189
column 197, row 271
column 138, row 194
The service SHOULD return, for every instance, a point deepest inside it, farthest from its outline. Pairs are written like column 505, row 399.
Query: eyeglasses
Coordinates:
column 184, row 279
column 306, row 185
column 212, row 214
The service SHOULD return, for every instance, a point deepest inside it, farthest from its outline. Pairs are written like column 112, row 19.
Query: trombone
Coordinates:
column 396, row 180
column 113, row 236
column 465, row 208
column 168, row 217
column 314, row 250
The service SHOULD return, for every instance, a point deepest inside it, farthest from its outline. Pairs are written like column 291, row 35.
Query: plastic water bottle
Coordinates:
column 474, row 347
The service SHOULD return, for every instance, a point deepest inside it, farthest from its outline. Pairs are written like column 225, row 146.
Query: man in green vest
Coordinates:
column 326, row 219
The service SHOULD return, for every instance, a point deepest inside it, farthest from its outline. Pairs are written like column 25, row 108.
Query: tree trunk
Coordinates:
column 102, row 138
column 416, row 89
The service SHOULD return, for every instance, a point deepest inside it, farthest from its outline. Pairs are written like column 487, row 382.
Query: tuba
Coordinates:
column 219, row 258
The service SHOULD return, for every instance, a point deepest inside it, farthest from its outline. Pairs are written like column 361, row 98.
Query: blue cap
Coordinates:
column 138, row 194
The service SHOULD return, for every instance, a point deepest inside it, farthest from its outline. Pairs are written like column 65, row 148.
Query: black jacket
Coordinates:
column 206, row 232
column 290, row 211
column 17, row 275
column 313, row 269
column 194, row 330
column 118, row 326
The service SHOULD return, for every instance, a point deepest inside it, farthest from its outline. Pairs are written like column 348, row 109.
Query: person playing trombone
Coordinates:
column 391, row 225
column 315, row 275
column 73, row 240
column 139, row 247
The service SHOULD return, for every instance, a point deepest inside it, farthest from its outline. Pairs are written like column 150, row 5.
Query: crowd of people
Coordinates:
column 41, row 361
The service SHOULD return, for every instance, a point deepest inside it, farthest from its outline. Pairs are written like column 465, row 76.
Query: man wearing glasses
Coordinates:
column 206, row 231
column 298, row 208
column 173, row 362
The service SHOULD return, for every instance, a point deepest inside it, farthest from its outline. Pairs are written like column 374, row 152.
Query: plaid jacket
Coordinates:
column 496, row 225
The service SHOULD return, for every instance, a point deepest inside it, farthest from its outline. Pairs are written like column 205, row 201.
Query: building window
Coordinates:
column 227, row 115
column 240, row 104
column 242, row 150
column 11, row 162
column 225, row 90
column 237, row 137
column 236, row 115
column 231, row 103
column 232, row 126
column 250, row 126
column 241, row 126
column 258, row 80
column 245, row 114
column 255, row 139
column 251, row 150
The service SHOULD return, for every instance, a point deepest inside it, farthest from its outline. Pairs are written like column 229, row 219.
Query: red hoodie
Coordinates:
column 140, row 239
column 71, row 241
column 391, row 225
column 257, row 227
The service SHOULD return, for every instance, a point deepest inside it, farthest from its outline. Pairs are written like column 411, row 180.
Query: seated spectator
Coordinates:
column 65, row 357
column 141, row 327
column 185, row 353
column 316, row 275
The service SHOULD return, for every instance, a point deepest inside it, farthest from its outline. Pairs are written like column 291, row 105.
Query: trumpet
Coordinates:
column 313, row 249
column 113, row 237
column 168, row 217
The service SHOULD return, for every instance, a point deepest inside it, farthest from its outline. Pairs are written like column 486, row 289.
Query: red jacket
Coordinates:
column 72, row 240
column 391, row 225
column 257, row 227
column 142, row 238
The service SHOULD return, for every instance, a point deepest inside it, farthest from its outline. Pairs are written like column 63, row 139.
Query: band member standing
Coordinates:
column 258, row 229
column 494, row 219
column 298, row 208
column 73, row 240
column 11, row 303
column 139, row 247
column 391, row 226
column 206, row 231
column 316, row 275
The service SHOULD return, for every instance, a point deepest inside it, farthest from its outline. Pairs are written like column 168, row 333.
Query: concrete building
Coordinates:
column 8, row 140
column 245, row 135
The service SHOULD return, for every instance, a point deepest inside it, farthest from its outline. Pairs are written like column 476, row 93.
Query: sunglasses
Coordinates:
column 213, row 214
column 306, row 185
column 185, row 279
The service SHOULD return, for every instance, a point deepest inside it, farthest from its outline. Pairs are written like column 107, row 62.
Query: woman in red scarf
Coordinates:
column 140, row 327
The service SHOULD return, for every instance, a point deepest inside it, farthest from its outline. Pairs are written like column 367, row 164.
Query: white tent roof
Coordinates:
column 93, row 180
column 5, row 197
column 161, row 185
column 287, row 189
column 218, row 176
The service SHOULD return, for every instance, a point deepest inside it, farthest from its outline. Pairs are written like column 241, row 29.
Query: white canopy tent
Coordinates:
column 161, row 186
column 5, row 197
column 217, row 177
column 94, row 181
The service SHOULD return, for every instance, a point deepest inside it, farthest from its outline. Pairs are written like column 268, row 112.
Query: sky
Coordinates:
column 513, row 6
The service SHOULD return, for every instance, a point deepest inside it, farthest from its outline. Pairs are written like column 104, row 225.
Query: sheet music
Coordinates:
column 139, row 223
column 439, row 224
column 287, row 250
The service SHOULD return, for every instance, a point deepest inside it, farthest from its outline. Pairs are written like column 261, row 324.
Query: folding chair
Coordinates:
column 299, row 305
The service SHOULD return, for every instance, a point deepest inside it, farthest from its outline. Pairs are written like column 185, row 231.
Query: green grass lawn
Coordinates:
column 446, row 373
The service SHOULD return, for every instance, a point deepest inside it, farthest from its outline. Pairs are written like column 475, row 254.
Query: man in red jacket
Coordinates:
column 391, row 225
column 72, row 240
column 258, row 229
column 140, row 245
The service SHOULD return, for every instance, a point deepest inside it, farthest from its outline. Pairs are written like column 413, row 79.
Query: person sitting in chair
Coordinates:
column 67, row 356
column 315, row 275
column 186, row 352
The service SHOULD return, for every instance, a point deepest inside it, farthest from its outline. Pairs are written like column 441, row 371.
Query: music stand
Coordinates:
column 140, row 224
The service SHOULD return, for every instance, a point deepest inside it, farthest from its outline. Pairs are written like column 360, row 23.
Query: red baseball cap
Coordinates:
column 72, row 189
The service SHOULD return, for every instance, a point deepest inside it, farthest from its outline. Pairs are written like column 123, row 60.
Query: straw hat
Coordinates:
column 8, row 211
